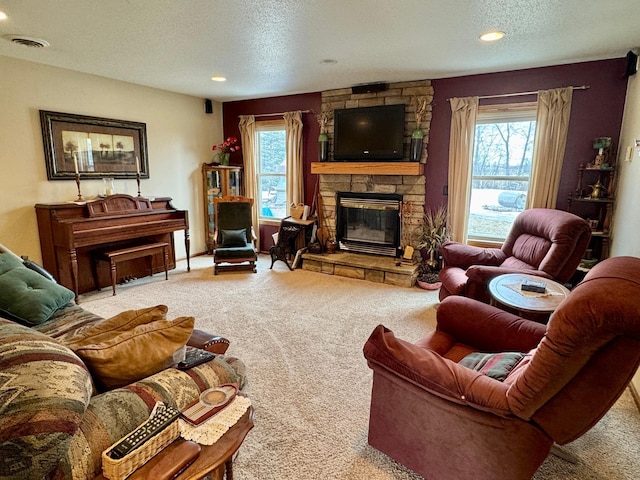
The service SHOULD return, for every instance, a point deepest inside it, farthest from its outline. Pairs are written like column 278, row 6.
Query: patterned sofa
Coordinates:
column 53, row 423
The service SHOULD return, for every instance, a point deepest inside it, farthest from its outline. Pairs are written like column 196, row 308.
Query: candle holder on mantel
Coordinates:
column 138, row 181
column 79, row 199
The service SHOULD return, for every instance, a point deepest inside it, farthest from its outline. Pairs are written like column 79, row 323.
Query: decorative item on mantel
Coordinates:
column 417, row 136
column 323, row 139
column 224, row 150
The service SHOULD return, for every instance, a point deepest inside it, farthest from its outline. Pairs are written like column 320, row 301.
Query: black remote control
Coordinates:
column 163, row 416
column 195, row 356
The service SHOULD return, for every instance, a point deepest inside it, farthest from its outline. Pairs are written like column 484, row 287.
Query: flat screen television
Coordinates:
column 368, row 133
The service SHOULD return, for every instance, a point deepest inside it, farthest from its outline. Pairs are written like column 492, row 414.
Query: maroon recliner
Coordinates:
column 447, row 421
column 542, row 241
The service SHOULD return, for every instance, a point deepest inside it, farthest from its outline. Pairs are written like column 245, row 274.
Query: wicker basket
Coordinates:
column 123, row 467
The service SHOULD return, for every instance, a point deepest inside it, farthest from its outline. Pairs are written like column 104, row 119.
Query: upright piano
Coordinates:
column 72, row 233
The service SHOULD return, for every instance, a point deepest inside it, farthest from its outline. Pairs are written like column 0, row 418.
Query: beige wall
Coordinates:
column 179, row 138
column 626, row 228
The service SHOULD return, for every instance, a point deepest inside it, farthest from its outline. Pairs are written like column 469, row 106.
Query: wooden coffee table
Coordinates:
column 215, row 460
column 505, row 289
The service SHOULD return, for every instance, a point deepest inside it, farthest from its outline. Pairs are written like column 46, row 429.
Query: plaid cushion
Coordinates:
column 494, row 365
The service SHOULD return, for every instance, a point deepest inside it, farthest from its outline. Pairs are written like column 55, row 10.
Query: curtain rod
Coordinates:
column 275, row 114
column 502, row 95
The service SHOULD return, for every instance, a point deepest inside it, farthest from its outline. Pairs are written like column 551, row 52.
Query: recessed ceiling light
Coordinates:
column 218, row 78
column 3, row 16
column 328, row 61
column 492, row 36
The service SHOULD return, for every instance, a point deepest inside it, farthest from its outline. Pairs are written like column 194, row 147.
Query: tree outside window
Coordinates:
column 271, row 170
column 502, row 162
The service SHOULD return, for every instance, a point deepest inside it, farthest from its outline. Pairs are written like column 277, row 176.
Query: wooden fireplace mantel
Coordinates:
column 367, row 168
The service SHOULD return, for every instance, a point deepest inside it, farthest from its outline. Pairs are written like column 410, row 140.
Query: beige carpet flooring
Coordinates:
column 301, row 336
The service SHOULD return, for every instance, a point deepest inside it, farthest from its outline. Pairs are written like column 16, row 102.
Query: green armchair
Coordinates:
column 235, row 248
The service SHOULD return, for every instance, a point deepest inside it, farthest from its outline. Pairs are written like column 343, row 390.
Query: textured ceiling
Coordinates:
column 276, row 47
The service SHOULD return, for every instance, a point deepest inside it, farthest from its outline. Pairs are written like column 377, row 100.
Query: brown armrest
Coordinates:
column 433, row 373
column 463, row 256
column 206, row 341
column 486, row 327
column 485, row 273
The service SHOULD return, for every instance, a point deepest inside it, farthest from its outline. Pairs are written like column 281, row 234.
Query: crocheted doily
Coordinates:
column 210, row 431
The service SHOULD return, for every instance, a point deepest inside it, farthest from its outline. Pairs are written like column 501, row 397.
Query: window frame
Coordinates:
column 262, row 126
column 492, row 114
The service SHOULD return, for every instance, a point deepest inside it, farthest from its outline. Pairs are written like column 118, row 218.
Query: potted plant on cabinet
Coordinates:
column 434, row 234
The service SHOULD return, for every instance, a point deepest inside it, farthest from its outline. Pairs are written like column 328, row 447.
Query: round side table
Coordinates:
column 505, row 289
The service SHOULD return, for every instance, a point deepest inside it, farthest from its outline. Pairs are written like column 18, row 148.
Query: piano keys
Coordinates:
column 71, row 233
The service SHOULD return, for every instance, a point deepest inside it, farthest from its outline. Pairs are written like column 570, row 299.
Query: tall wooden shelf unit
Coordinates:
column 219, row 181
column 596, row 209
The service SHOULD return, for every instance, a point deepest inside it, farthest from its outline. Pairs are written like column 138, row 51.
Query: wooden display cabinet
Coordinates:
column 218, row 181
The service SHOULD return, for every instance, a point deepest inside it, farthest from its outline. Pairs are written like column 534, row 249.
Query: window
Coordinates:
column 271, row 169
column 502, row 161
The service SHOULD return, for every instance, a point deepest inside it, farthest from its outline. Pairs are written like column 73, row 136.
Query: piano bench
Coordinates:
column 113, row 257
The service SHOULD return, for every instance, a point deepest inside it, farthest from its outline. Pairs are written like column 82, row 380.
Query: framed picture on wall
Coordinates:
column 93, row 147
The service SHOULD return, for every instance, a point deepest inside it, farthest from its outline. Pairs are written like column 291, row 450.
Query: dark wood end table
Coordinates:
column 214, row 460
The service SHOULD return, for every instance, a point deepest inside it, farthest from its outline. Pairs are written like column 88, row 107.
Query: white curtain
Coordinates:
column 295, row 171
column 462, row 136
column 552, row 124
column 248, row 137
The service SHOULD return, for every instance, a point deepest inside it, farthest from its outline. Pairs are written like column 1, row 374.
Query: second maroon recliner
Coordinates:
column 486, row 394
column 542, row 241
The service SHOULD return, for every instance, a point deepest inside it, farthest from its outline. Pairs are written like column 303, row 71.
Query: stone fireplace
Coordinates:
column 403, row 179
column 391, row 177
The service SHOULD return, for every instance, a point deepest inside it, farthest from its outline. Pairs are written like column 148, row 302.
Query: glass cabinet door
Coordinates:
column 219, row 181
column 214, row 190
column 235, row 182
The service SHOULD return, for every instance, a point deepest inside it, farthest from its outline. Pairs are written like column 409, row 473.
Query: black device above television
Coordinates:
column 369, row 133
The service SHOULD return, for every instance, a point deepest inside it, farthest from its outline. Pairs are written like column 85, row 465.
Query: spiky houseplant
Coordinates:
column 434, row 234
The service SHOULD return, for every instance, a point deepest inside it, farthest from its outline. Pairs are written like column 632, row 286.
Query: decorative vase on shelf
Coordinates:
column 223, row 158
column 416, row 145
column 323, row 147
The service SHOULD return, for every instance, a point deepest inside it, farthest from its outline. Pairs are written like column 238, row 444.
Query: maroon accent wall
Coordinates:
column 310, row 132
column 595, row 112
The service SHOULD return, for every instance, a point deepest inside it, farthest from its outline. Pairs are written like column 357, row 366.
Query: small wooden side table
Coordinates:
column 294, row 234
column 215, row 460
column 505, row 289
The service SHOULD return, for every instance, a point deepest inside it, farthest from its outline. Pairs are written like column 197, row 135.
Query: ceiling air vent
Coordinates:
column 27, row 41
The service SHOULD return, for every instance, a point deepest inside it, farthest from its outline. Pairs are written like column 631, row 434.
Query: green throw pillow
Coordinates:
column 27, row 296
column 9, row 262
column 494, row 365
column 234, row 238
